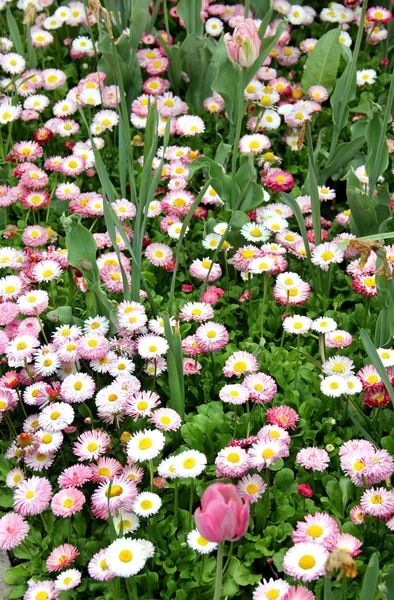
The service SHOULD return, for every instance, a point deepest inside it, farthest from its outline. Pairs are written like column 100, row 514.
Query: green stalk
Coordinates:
column 240, row 116
column 176, row 495
column 191, row 502
column 219, row 572
column 265, row 288
column 151, row 474
column 247, row 5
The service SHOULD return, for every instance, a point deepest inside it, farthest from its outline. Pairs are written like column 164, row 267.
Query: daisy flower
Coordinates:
column 190, row 463
column 283, row 415
column 240, row 363
column 68, row 580
column 338, row 339
column 190, row 125
column 13, row 530
column 297, row 324
column 338, row 365
column 378, row 502
column 334, row 386
column 201, row 268
column 211, row 337
column 147, row 504
column 369, row 376
column 264, row 453
column 251, row 486
column 32, row 496
column 314, row 459
column 196, row 311
column 326, row 254
column 166, row 419
column 125, row 557
column 254, row 143
column 145, row 445
column 77, row 388
column 305, row 561
column 261, row 387
column 232, row 462
column 40, row 589
column 105, row 469
column 127, row 522
column 61, row 557
column 348, row 543
column 198, row 543
column 319, row 528
column 98, row 567
column 271, row 589
column 151, row 346
column 234, row 394
column 159, row 254
column 74, row 476
column 299, row 592
column 91, row 444
column 115, row 494
column 14, row 477
column 67, row 502
column 56, row 416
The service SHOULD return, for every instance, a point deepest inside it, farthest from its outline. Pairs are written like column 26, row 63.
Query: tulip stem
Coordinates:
column 219, row 572
column 246, row 13
column 239, row 116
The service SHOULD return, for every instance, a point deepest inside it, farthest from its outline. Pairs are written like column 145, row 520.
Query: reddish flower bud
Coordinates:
column 305, row 490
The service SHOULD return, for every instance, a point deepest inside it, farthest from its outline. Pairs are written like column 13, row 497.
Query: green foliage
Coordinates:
column 323, row 62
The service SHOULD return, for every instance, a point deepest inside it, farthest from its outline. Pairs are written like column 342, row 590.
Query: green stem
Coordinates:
column 267, row 496
column 246, row 13
column 240, row 116
column 297, row 361
column 265, row 287
column 366, row 311
column 191, row 502
column 219, row 572
column 213, row 370
column 249, row 413
column 131, row 586
column 344, row 587
column 151, row 474
column 230, row 553
column 176, row 496
column 322, row 346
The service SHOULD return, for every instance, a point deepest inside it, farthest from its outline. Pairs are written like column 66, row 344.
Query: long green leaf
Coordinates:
column 175, row 367
column 370, row 580
column 189, row 11
column 377, row 363
column 290, row 201
column 14, row 32
column 345, row 152
column 312, row 189
column 378, row 155
column 322, row 64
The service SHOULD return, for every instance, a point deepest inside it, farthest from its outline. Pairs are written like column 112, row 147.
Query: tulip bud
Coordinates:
column 223, row 515
column 243, row 47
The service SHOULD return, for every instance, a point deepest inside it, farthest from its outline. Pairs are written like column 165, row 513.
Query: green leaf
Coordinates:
column 196, row 63
column 345, row 152
column 14, row 32
column 17, row 592
column 363, row 218
column 387, row 586
column 227, row 82
column 323, row 62
column 378, row 152
column 370, row 580
column 14, row 575
column 385, row 322
column 189, row 11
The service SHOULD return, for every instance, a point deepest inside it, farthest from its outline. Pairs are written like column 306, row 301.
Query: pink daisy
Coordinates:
column 240, row 363
column 67, row 502
column 319, row 528
column 61, row 557
column 348, row 543
column 32, row 496
column 378, row 502
column 77, row 476
column 105, row 469
column 211, row 337
column 315, row 459
column 284, row 416
column 261, row 387
column 13, row 530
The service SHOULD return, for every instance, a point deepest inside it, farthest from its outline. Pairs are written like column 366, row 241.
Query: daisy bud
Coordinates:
column 187, row 288
column 330, row 447
column 305, row 490
column 87, row 421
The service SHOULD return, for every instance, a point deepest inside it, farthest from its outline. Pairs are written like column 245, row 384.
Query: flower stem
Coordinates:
column 265, row 284
column 219, row 572
column 131, row 586
column 322, row 346
column 191, row 504
column 240, row 115
column 176, row 494
column 151, row 473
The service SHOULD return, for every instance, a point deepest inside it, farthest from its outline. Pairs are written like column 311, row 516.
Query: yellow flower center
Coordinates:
column 315, row 531
column 306, row 562
column 145, row 443
column 125, row 556
column 233, row 457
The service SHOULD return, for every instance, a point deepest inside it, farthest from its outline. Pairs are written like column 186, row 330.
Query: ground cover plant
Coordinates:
column 197, row 303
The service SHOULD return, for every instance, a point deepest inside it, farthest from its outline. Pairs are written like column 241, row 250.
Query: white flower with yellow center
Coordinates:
column 147, row 504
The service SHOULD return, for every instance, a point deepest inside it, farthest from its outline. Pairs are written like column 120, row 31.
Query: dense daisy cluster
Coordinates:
column 195, row 319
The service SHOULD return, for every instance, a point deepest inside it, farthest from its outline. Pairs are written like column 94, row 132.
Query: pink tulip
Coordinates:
column 223, row 514
column 243, row 47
